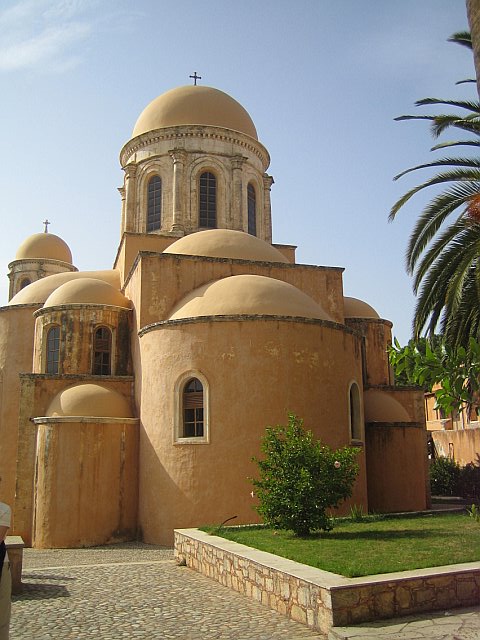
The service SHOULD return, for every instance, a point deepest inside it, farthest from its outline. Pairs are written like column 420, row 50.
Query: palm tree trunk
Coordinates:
column 473, row 13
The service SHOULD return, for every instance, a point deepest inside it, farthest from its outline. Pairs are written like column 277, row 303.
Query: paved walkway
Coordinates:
column 137, row 591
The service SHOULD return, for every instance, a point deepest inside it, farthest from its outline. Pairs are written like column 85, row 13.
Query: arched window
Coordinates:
column 192, row 402
column 252, row 210
column 53, row 350
column 355, row 417
column 207, row 213
column 154, row 204
column 102, row 352
column 24, row 283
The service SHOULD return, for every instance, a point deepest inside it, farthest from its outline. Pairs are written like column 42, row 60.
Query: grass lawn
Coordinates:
column 372, row 546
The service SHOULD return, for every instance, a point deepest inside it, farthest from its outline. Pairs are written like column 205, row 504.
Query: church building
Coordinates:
column 133, row 399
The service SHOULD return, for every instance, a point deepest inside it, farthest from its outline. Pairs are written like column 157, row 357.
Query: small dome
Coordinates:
column 86, row 291
column 39, row 291
column 380, row 406
column 91, row 400
column 355, row 308
column 225, row 243
column 44, row 245
column 195, row 105
column 247, row 295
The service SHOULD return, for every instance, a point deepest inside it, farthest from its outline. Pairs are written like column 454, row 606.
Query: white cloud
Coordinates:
column 42, row 34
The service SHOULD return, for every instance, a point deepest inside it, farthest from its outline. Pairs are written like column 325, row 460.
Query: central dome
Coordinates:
column 195, row 105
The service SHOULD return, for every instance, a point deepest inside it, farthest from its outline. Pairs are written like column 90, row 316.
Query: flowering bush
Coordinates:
column 301, row 478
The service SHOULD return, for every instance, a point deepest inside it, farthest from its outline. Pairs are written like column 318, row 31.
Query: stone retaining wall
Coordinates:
column 320, row 599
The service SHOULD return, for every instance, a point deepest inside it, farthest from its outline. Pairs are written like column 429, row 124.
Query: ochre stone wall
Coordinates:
column 463, row 445
column 258, row 370
column 167, row 278
column 77, row 325
column 36, row 393
column 397, row 467
column 16, row 354
column 86, row 482
column 377, row 338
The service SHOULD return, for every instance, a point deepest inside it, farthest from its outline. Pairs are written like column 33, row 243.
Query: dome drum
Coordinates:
column 179, row 167
column 25, row 272
column 89, row 338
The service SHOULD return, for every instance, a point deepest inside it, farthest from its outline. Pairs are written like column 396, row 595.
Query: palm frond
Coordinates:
column 456, row 143
column 460, row 175
column 463, row 38
column 472, row 163
column 433, row 217
column 469, row 105
column 417, row 249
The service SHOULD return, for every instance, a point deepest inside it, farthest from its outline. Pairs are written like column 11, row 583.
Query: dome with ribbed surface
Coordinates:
column 44, row 245
column 194, row 105
column 226, row 243
column 248, row 295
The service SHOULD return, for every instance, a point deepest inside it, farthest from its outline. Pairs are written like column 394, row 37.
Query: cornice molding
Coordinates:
column 201, row 131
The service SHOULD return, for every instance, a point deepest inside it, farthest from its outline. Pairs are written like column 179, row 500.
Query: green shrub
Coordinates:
column 301, row 478
column 444, row 477
column 469, row 482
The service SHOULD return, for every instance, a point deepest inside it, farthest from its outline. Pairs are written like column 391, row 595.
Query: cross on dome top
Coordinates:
column 195, row 78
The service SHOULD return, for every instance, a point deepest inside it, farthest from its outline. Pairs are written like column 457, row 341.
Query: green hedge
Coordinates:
column 448, row 478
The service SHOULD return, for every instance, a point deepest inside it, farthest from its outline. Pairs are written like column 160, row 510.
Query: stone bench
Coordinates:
column 15, row 547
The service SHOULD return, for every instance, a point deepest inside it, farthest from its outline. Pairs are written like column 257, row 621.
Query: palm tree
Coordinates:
column 473, row 12
column 443, row 253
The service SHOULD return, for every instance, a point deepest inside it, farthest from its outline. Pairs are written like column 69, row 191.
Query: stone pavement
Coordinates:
column 137, row 591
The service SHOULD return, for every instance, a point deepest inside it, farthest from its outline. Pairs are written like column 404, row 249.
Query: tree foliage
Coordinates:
column 301, row 478
column 428, row 364
column 443, row 253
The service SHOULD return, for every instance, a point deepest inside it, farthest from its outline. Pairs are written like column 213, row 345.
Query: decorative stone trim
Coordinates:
column 244, row 317
column 320, row 599
column 84, row 420
column 194, row 131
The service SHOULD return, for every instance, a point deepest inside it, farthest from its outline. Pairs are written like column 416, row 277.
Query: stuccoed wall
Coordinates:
column 86, row 482
column 397, row 467
column 258, row 369
column 16, row 354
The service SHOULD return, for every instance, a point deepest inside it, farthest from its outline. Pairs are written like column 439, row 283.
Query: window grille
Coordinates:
column 193, row 409
column 53, row 350
column 208, row 201
column 154, row 204
column 252, row 210
column 102, row 352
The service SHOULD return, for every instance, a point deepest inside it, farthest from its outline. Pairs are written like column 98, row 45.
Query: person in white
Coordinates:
column 5, row 577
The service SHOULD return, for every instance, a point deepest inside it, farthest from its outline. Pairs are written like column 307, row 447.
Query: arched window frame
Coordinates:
column 355, row 416
column 25, row 282
column 207, row 193
column 154, row 203
column 52, row 349
column 105, row 366
column 251, row 209
column 181, row 383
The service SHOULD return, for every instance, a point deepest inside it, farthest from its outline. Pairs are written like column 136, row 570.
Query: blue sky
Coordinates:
column 322, row 81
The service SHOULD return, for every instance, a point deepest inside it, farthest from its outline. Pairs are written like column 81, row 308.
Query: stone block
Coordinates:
column 467, row 591
column 298, row 614
column 403, row 597
column 345, row 598
column 303, row 596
